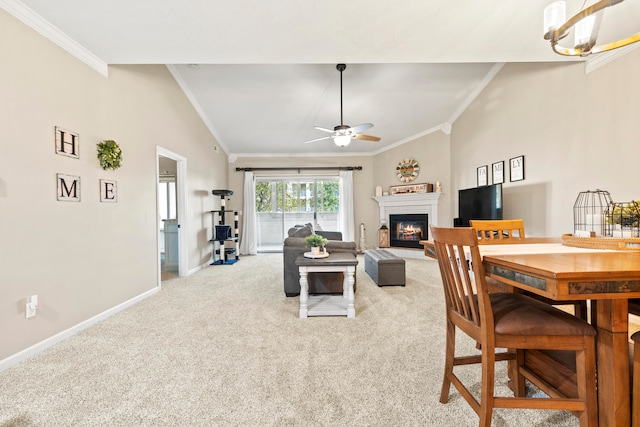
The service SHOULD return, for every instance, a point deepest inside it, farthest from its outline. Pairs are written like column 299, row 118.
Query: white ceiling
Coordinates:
column 266, row 75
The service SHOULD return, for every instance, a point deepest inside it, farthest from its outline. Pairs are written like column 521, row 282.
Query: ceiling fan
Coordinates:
column 343, row 134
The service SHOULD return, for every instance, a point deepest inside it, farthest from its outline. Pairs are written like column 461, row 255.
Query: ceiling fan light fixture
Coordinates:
column 342, row 140
column 586, row 23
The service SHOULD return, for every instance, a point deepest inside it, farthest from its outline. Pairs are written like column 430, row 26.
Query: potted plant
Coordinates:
column 625, row 219
column 315, row 242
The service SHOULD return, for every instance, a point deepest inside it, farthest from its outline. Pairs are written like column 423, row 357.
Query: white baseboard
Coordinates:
column 196, row 269
column 55, row 339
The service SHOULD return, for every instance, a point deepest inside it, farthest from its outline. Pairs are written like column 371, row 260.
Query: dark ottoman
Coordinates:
column 384, row 267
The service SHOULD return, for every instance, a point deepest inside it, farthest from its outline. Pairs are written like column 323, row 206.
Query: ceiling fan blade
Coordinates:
column 317, row 139
column 365, row 137
column 360, row 128
column 324, row 129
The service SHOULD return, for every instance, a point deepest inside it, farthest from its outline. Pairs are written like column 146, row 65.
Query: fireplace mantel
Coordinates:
column 413, row 203
column 410, row 203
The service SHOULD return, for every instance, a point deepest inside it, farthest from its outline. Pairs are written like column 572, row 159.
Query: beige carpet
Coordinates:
column 225, row 347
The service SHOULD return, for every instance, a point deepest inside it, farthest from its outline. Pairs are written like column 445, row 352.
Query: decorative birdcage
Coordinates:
column 599, row 223
column 623, row 219
column 589, row 213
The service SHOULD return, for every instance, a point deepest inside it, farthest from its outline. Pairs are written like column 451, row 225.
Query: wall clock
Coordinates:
column 407, row 170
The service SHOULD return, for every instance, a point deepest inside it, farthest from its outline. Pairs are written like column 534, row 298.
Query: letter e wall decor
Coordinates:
column 108, row 191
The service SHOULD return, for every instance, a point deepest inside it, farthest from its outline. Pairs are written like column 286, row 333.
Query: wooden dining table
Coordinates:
column 564, row 273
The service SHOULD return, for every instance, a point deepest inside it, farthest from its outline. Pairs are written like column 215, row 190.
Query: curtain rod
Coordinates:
column 341, row 168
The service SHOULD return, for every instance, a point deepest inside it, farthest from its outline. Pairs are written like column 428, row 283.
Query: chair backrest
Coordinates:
column 465, row 288
column 498, row 230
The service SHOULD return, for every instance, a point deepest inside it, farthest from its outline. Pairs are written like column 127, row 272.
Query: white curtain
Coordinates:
column 249, row 236
column 346, row 217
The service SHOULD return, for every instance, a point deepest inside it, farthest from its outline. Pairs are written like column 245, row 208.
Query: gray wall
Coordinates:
column 85, row 258
column 577, row 132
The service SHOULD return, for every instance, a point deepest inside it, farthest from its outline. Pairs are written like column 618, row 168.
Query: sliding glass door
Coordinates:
column 282, row 203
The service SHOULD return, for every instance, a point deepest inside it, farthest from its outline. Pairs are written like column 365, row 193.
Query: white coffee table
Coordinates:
column 328, row 305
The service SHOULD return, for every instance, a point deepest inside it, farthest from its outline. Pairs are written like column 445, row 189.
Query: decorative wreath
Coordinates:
column 109, row 154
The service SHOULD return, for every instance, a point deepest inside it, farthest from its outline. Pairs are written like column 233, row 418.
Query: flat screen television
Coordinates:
column 479, row 203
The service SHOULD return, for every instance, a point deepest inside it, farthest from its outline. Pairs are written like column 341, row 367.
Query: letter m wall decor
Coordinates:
column 68, row 188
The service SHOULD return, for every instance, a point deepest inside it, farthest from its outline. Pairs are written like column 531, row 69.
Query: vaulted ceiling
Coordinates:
column 262, row 74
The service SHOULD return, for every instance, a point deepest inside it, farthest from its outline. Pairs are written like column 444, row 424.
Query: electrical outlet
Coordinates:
column 32, row 305
column 30, row 311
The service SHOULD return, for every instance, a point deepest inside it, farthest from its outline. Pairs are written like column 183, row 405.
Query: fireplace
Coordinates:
column 406, row 230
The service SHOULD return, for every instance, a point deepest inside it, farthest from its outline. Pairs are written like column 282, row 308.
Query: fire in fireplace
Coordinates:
column 407, row 230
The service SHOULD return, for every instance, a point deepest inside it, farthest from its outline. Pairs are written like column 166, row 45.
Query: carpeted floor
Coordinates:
column 225, row 347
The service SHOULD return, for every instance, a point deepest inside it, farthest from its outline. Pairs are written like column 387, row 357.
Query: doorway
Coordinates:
column 168, row 213
column 171, row 224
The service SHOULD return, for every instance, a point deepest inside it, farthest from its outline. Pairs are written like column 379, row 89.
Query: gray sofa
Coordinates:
column 319, row 283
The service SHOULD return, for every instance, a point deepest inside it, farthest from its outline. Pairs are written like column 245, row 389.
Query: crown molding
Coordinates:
column 235, row 156
column 44, row 28
column 596, row 61
column 476, row 91
column 196, row 105
column 444, row 128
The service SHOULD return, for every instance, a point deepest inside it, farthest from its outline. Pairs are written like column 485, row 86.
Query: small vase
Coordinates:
column 315, row 250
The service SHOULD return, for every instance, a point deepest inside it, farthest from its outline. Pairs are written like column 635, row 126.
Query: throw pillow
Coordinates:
column 305, row 231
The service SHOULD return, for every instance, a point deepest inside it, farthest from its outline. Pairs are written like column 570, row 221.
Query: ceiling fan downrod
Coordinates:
column 343, row 134
column 341, row 68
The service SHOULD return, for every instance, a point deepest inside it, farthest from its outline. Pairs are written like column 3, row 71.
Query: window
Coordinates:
column 282, row 203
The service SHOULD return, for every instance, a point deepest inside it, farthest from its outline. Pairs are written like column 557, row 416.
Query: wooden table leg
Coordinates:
column 304, row 292
column 351, row 308
column 614, row 408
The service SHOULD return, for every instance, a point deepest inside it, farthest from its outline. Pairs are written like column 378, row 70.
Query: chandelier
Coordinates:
column 585, row 25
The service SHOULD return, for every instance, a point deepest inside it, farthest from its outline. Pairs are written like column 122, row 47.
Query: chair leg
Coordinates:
column 517, row 383
column 448, row 363
column 487, row 393
column 580, row 310
column 586, row 376
column 594, row 314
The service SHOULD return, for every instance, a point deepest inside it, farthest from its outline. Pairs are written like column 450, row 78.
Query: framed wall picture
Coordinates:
column 516, row 168
column 497, row 172
column 483, row 171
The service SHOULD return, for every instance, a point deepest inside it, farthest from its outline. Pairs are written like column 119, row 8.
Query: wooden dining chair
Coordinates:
column 499, row 231
column 511, row 321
